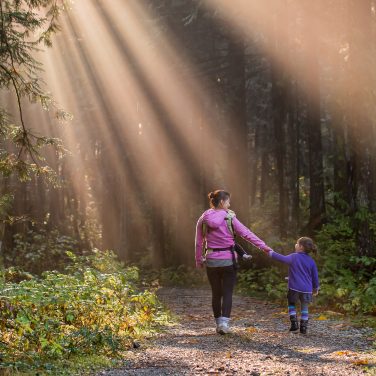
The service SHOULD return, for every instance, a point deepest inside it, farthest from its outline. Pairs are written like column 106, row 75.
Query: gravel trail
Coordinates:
column 260, row 343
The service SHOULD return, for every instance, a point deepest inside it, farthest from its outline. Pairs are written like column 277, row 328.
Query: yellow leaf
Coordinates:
column 305, row 350
column 322, row 318
column 342, row 353
column 360, row 362
column 251, row 329
column 228, row 355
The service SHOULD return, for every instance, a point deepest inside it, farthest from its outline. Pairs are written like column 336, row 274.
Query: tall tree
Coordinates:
column 280, row 111
column 360, row 80
column 312, row 90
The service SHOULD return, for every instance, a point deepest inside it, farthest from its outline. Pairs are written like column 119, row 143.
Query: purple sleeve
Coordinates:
column 315, row 277
column 199, row 240
column 282, row 258
column 247, row 234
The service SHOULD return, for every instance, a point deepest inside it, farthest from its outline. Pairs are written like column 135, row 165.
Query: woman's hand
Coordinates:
column 266, row 249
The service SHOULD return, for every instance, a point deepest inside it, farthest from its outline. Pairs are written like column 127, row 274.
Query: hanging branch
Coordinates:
column 29, row 143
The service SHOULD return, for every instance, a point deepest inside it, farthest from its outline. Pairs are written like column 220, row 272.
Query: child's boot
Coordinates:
column 303, row 326
column 294, row 324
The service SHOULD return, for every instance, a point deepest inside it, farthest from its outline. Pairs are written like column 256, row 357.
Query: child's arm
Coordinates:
column 315, row 278
column 282, row 258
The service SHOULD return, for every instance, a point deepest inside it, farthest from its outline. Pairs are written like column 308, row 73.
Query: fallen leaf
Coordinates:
column 228, row 355
column 322, row 318
column 360, row 362
column 305, row 350
column 342, row 353
column 251, row 329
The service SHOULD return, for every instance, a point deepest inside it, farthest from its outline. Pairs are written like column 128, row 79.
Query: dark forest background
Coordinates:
column 279, row 110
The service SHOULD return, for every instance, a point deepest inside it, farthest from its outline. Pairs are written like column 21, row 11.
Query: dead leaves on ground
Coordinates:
column 356, row 360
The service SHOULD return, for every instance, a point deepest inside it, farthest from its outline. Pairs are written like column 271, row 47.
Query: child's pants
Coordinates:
column 293, row 297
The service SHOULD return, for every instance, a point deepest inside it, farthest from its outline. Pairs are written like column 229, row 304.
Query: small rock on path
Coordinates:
column 259, row 345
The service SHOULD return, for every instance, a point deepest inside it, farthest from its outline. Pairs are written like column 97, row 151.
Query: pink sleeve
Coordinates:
column 247, row 234
column 199, row 243
column 214, row 219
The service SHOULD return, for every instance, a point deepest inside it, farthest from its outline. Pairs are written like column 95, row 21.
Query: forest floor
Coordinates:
column 260, row 343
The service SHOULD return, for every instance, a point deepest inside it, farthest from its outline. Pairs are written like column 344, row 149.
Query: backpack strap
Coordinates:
column 230, row 215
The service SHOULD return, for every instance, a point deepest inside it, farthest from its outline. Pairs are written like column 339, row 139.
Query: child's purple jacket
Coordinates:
column 303, row 275
column 219, row 236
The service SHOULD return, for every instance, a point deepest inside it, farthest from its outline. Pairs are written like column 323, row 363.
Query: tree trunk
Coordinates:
column 361, row 128
column 238, row 171
column 312, row 90
column 279, row 118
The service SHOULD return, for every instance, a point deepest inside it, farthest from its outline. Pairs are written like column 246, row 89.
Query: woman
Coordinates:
column 214, row 248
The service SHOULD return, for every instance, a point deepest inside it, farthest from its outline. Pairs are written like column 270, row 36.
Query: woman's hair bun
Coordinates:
column 215, row 197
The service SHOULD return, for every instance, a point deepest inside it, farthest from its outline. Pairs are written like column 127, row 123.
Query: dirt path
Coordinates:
column 259, row 345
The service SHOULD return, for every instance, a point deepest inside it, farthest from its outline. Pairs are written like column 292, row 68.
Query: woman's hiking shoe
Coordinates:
column 294, row 324
column 222, row 325
column 303, row 326
column 223, row 329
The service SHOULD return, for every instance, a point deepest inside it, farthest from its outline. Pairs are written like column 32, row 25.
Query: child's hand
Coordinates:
column 247, row 256
column 315, row 292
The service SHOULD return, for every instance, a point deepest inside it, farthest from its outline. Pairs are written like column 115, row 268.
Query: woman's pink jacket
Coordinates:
column 219, row 236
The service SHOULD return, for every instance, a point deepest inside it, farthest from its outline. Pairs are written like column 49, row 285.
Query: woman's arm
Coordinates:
column 248, row 235
column 199, row 240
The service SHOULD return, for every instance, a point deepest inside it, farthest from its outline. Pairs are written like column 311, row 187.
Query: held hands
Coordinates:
column 266, row 250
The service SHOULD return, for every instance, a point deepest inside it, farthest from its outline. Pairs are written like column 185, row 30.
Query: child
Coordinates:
column 303, row 280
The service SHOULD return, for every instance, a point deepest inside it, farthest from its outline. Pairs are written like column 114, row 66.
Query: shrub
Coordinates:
column 348, row 280
column 95, row 309
column 39, row 250
column 260, row 282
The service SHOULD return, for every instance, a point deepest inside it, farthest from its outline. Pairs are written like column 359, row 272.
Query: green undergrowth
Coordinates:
column 94, row 310
column 180, row 276
column 75, row 365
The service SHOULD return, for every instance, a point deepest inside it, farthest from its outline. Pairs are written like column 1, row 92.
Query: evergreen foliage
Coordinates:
column 26, row 25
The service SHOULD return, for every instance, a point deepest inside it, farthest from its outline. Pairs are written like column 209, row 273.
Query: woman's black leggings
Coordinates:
column 222, row 281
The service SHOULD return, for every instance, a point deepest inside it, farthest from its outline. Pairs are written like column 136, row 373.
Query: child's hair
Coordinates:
column 308, row 245
column 217, row 196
